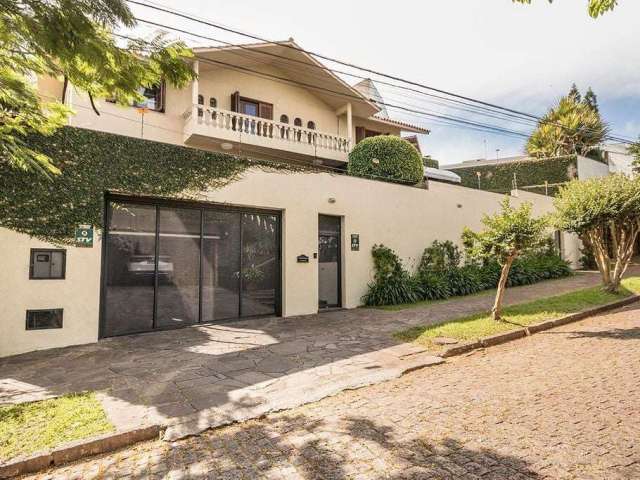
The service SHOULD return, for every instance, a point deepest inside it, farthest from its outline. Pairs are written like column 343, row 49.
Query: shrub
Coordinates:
column 392, row 284
column 464, row 280
column 440, row 276
column 432, row 286
column 440, row 256
column 386, row 156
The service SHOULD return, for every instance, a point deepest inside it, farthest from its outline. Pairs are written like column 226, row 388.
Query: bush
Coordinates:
column 432, row 286
column 440, row 256
column 386, row 156
column 465, row 280
column 440, row 276
column 392, row 284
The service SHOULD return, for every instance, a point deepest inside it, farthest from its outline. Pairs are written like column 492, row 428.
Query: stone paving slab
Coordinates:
column 562, row 404
column 188, row 378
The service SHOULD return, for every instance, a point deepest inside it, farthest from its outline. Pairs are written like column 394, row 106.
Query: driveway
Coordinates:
column 562, row 404
column 206, row 376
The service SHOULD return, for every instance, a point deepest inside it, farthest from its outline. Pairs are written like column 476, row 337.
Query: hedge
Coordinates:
column 386, row 156
column 499, row 177
column 94, row 162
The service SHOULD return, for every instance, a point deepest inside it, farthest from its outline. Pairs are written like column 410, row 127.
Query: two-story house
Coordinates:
column 267, row 243
column 263, row 99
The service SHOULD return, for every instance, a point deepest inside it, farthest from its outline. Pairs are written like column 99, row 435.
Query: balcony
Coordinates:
column 212, row 127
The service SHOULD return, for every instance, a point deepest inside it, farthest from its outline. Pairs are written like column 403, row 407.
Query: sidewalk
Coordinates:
column 196, row 378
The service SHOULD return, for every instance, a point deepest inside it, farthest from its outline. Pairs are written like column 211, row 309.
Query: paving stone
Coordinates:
column 556, row 405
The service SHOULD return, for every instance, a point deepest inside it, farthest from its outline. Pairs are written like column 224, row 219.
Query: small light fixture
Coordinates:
column 332, row 200
column 375, row 161
column 226, row 146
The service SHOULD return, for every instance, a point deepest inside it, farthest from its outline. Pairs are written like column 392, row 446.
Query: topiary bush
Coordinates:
column 386, row 156
column 392, row 284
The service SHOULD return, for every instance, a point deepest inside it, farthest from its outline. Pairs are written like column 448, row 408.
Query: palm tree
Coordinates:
column 573, row 127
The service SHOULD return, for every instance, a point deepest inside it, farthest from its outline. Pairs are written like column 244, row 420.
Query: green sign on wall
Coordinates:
column 84, row 235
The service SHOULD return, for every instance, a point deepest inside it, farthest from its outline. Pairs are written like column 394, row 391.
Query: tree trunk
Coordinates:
column 496, row 311
column 625, row 243
column 595, row 240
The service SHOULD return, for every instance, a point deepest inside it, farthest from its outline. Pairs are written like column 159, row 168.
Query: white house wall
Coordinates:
column 404, row 218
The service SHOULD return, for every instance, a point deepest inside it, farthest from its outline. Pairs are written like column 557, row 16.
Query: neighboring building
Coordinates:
column 268, row 243
column 539, row 175
column 619, row 158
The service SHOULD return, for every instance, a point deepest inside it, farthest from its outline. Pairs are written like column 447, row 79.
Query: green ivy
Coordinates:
column 92, row 163
column 499, row 177
column 430, row 162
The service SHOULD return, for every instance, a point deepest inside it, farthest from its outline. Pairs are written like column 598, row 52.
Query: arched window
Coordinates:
column 297, row 122
column 311, row 125
column 200, row 102
column 284, row 118
column 213, row 103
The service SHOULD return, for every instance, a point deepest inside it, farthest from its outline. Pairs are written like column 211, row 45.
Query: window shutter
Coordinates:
column 266, row 111
column 235, row 102
column 360, row 134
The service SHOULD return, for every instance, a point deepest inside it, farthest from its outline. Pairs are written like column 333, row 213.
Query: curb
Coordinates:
column 77, row 450
column 535, row 328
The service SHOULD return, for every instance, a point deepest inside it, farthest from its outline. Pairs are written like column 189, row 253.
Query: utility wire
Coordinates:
column 348, row 64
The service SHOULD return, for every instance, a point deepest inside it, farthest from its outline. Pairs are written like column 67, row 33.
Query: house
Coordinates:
column 619, row 158
column 261, row 99
column 539, row 175
column 266, row 242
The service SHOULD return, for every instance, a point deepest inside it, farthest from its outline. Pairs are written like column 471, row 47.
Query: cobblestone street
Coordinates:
column 561, row 404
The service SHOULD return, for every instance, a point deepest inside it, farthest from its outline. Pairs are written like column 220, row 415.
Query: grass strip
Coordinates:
column 30, row 427
column 480, row 325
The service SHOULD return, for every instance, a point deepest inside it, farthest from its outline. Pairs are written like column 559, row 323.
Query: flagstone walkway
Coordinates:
column 195, row 378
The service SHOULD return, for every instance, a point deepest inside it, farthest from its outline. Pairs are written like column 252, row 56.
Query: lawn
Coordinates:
column 481, row 325
column 27, row 428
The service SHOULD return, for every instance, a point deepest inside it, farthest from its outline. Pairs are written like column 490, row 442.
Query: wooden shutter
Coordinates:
column 360, row 134
column 266, row 111
column 235, row 102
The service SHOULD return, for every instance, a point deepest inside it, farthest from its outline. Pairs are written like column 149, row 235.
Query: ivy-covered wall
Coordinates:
column 94, row 162
column 529, row 173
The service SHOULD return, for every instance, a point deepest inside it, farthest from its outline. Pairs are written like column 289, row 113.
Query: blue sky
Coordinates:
column 523, row 57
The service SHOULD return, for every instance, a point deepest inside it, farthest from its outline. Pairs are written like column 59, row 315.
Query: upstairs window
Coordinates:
column 297, row 122
column 200, row 99
column 251, row 107
column 311, row 125
column 213, row 103
column 284, row 119
column 154, row 97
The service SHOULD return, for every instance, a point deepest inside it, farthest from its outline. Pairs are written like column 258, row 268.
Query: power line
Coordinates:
column 410, row 110
column 348, row 64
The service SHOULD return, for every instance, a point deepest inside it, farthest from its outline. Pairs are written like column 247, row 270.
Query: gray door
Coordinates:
column 329, row 259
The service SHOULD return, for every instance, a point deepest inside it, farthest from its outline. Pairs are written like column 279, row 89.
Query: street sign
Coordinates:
column 355, row 242
column 84, row 235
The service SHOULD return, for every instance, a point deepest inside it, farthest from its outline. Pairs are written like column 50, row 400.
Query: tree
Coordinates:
column 575, row 93
column 596, row 7
column 73, row 41
column 605, row 213
column 507, row 235
column 573, row 127
column 591, row 100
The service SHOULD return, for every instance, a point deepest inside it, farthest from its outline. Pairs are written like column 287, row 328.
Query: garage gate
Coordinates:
column 172, row 264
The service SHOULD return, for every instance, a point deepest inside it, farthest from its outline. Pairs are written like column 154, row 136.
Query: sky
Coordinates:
column 518, row 56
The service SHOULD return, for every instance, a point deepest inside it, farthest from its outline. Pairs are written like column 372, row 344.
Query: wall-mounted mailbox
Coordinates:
column 355, row 242
column 302, row 259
